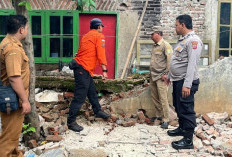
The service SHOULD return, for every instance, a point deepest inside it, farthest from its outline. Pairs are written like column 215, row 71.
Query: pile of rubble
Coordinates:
column 213, row 132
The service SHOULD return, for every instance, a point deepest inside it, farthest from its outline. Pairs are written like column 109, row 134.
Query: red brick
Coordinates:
column 141, row 116
column 32, row 144
column 44, row 109
column 86, row 114
column 201, row 136
column 122, row 94
column 210, row 131
column 91, row 118
column 207, row 119
column 54, row 138
column 38, row 104
column 174, row 123
column 60, row 98
column 68, row 95
column 114, row 117
column 128, row 124
column 165, row 142
column 47, row 117
column 114, row 98
column 63, row 112
column 99, row 119
column 148, row 121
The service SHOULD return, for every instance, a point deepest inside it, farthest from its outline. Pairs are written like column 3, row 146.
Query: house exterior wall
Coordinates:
column 159, row 14
column 162, row 14
column 43, row 4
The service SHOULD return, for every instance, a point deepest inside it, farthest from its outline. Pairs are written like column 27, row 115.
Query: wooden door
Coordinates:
column 109, row 30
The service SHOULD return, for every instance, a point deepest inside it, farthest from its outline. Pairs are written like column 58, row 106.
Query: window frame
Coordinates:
column 7, row 12
column 223, row 25
column 45, row 58
column 151, row 42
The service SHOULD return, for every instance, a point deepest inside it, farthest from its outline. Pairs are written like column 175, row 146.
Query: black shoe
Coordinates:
column 164, row 125
column 102, row 114
column 75, row 127
column 184, row 143
column 153, row 119
column 176, row 132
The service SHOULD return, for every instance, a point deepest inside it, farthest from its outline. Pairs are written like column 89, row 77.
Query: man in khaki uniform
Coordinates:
column 160, row 62
column 14, row 72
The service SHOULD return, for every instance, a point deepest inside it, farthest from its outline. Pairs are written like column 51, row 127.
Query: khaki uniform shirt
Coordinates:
column 14, row 61
column 160, row 59
column 185, row 59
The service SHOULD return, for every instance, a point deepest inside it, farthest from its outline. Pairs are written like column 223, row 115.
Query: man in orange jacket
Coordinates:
column 91, row 51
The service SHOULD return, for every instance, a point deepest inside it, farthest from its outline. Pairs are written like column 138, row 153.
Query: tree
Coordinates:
column 21, row 7
column 88, row 3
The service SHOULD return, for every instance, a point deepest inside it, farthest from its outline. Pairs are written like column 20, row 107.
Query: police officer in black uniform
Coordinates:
column 183, row 73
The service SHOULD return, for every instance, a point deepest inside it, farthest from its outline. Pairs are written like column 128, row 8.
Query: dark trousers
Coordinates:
column 185, row 106
column 84, row 86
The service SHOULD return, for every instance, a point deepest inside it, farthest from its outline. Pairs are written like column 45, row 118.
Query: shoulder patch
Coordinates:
column 178, row 48
column 169, row 51
column 12, row 54
column 184, row 42
column 103, row 42
column 194, row 44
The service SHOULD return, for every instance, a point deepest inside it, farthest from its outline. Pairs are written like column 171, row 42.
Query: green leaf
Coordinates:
column 79, row 2
column 31, row 129
column 25, row 126
column 84, row 2
column 24, row 132
column 22, row 3
column 87, row 4
column 92, row 3
column 28, row 6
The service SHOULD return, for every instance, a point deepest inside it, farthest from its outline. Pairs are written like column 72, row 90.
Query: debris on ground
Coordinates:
column 123, row 133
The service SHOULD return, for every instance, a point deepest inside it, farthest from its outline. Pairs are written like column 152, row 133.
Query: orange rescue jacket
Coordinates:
column 91, row 51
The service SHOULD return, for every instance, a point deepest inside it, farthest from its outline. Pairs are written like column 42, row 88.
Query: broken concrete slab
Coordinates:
column 87, row 153
column 47, row 96
column 141, row 101
column 59, row 152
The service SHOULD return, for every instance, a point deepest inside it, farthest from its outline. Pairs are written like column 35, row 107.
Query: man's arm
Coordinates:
column 105, row 76
column 168, row 53
column 194, row 52
column 17, row 84
column 14, row 60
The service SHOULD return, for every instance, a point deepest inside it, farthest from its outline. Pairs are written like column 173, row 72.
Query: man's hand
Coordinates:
column 165, row 79
column 26, row 107
column 185, row 92
column 105, row 76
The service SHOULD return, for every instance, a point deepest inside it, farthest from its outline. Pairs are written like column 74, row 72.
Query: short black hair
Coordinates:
column 14, row 22
column 157, row 32
column 186, row 19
